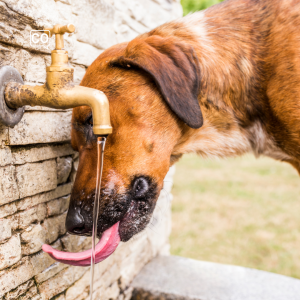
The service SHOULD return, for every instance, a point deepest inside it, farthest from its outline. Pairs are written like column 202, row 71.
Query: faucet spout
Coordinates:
column 68, row 96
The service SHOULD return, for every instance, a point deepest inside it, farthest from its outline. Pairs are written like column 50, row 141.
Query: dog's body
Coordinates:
column 221, row 82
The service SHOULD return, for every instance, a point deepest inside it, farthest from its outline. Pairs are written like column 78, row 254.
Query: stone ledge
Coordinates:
column 172, row 277
column 41, row 127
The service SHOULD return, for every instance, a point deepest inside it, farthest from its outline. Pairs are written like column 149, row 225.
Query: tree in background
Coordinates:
column 194, row 5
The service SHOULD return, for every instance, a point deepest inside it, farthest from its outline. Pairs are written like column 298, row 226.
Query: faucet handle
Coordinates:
column 59, row 31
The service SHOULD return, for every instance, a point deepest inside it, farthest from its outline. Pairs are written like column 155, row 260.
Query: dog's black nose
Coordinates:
column 140, row 187
column 75, row 222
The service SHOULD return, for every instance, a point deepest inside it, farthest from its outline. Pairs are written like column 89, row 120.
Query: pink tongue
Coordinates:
column 106, row 246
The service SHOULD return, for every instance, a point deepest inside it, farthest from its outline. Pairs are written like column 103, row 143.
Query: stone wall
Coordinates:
column 38, row 166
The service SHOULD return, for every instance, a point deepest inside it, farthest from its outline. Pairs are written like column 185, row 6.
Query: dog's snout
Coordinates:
column 140, row 187
column 75, row 222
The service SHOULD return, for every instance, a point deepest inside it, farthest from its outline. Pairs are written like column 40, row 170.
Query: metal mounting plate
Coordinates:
column 9, row 117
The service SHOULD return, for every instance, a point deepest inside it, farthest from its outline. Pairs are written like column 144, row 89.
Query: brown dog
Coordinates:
column 220, row 83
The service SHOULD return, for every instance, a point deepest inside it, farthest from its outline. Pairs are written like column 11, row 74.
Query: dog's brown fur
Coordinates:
column 240, row 60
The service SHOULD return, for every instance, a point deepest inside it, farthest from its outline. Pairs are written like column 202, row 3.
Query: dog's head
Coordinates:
column 152, row 85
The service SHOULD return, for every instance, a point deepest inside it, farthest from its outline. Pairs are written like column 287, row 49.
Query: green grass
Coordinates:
column 195, row 5
column 238, row 211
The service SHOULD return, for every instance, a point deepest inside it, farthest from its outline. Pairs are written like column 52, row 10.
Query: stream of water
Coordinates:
column 100, row 149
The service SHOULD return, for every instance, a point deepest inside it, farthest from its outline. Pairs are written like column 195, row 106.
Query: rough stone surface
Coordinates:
column 38, row 165
column 60, row 281
column 5, row 232
column 32, row 239
column 22, row 155
column 80, row 289
column 41, row 127
column 171, row 277
column 5, row 156
column 8, row 185
column 50, row 272
column 21, row 290
column 76, row 243
column 85, row 54
column 79, row 72
column 27, row 177
column 31, row 294
column 54, row 227
column 3, row 135
column 60, row 191
column 58, row 206
column 23, row 219
column 64, row 166
column 10, row 252
column 8, row 209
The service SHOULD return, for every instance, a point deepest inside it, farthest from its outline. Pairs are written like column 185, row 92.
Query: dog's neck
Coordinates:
column 237, row 117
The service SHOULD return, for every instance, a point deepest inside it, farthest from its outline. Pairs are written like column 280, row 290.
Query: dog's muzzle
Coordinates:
column 133, row 209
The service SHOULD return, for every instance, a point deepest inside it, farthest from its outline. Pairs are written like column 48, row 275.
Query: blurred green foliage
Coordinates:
column 194, row 5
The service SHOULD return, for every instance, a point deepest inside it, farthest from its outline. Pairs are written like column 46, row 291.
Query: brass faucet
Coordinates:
column 59, row 91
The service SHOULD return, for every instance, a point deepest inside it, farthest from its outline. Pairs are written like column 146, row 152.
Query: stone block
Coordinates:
column 27, row 202
column 5, row 232
column 31, row 66
column 5, row 156
column 99, row 34
column 192, row 279
column 65, row 12
column 22, row 155
column 21, row 290
column 134, row 9
column 31, row 294
column 25, row 270
column 79, row 72
column 80, row 289
column 84, row 54
column 50, row 272
column 160, row 16
column 41, row 127
column 64, row 166
column 20, row 18
column 131, row 265
column 3, row 135
column 76, row 243
column 8, row 209
column 8, row 185
column 41, row 260
column 54, row 227
column 111, row 275
column 15, row 276
column 58, row 206
column 33, row 239
column 60, row 282
column 31, row 215
column 14, row 26
column 10, row 252
column 34, row 178
column 35, row 69
column 124, row 30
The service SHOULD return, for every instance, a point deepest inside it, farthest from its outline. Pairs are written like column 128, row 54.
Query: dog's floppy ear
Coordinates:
column 174, row 67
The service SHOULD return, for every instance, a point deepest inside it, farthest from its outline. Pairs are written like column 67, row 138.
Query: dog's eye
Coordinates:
column 89, row 121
